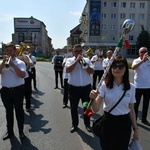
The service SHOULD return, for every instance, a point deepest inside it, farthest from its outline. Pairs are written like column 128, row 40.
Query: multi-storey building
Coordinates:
column 101, row 22
column 32, row 32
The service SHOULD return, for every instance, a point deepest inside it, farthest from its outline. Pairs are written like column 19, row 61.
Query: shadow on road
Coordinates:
column 36, row 123
column 25, row 144
column 94, row 141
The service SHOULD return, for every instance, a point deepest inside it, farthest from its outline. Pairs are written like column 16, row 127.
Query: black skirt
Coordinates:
column 116, row 132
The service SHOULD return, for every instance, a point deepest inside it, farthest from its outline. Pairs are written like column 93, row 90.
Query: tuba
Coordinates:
column 21, row 53
column 89, row 52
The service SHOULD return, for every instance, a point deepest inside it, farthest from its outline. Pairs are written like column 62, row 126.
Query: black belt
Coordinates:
column 13, row 88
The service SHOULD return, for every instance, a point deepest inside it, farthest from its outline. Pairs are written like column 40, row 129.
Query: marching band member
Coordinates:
column 66, row 76
column 79, row 69
column 28, row 78
column 97, row 60
column 106, row 60
column 33, row 70
column 12, row 91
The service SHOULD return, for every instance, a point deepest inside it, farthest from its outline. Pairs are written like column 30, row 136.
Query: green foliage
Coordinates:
column 143, row 39
column 129, row 65
column 43, row 59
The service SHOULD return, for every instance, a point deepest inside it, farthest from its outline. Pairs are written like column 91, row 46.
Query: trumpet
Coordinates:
column 148, row 58
column 83, row 63
column 7, row 63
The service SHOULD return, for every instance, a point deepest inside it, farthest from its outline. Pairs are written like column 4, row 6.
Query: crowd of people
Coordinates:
column 78, row 79
column 80, row 83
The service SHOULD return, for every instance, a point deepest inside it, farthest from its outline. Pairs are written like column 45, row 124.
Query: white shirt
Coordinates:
column 142, row 74
column 79, row 76
column 9, row 78
column 111, row 96
column 105, row 62
column 98, row 65
column 65, row 73
column 33, row 58
column 30, row 61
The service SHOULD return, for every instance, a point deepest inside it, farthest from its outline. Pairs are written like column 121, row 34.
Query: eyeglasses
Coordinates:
column 143, row 52
column 120, row 67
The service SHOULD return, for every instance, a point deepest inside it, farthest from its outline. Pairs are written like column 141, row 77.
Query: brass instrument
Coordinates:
column 89, row 52
column 83, row 63
column 7, row 63
column 21, row 53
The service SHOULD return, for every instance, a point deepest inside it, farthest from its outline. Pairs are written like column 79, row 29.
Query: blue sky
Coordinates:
column 59, row 16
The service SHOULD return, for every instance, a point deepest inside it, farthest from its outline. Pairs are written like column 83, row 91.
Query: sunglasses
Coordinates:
column 77, row 51
column 120, row 67
column 143, row 52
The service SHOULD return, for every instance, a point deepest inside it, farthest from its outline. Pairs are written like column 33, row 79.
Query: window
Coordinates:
column 132, row 16
column 103, row 15
column 113, row 4
column 122, row 16
column 113, row 16
column 75, row 40
column 113, row 27
column 104, row 4
column 141, row 16
column 123, row 5
column 103, row 26
column 112, row 37
column 142, row 5
column 131, row 37
column 132, row 5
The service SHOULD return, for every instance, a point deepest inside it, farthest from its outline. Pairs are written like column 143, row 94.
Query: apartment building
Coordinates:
column 32, row 32
column 101, row 22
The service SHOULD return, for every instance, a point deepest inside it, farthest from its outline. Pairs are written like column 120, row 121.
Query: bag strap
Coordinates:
column 117, row 102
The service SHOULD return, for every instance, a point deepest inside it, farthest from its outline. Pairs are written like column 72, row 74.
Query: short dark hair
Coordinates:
column 77, row 46
column 110, row 78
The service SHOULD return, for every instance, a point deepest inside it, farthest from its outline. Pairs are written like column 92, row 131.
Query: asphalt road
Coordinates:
column 48, row 126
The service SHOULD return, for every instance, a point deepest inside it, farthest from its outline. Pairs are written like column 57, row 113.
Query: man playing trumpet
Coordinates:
column 141, row 67
column 12, row 91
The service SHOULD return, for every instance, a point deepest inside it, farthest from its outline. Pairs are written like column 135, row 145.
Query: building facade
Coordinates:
column 101, row 22
column 32, row 32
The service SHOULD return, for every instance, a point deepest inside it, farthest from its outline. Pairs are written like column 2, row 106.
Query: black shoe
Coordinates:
column 64, row 106
column 7, row 136
column 146, row 122
column 35, row 89
column 62, row 87
column 73, row 129
column 29, row 109
column 56, row 87
column 21, row 136
column 88, row 128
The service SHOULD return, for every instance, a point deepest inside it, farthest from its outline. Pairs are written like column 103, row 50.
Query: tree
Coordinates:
column 143, row 39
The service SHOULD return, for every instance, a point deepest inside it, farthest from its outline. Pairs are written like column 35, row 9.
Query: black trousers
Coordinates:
column 75, row 94
column 33, row 70
column 97, row 73
column 13, row 99
column 56, row 77
column 115, row 133
column 65, row 96
column 146, row 97
column 28, row 91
